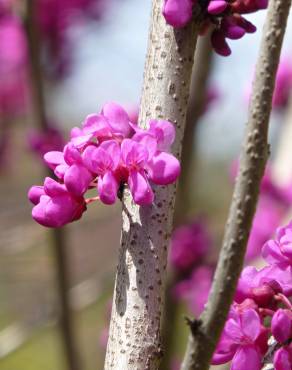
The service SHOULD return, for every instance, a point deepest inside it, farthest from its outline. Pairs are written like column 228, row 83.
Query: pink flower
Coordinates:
column 69, row 167
column 279, row 251
column 240, row 342
column 225, row 17
column 104, row 161
column 282, row 325
column 109, row 151
column 283, row 358
column 135, row 156
column 178, row 13
column 261, row 286
column 189, row 244
column 54, row 205
column 112, row 123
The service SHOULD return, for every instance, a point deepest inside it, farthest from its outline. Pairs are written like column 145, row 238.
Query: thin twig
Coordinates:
column 253, row 158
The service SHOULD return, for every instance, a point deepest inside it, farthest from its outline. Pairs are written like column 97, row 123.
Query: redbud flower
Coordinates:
column 178, row 13
column 282, row 325
column 104, row 161
column 260, row 286
column 279, row 251
column 225, row 17
column 109, row 152
column 283, row 358
column 54, row 205
column 240, row 342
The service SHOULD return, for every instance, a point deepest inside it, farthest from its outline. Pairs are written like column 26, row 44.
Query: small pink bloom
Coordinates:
column 282, row 325
column 283, row 358
column 56, row 207
column 178, row 13
column 239, row 341
column 279, row 251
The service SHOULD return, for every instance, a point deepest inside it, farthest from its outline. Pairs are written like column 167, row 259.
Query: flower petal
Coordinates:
column 140, row 188
column 246, row 358
column 107, row 188
column 163, row 169
column 77, row 179
column 118, row 119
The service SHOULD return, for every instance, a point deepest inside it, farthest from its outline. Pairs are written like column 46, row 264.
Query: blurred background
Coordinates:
column 89, row 53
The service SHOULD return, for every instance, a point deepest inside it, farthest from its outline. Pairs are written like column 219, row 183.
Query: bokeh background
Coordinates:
column 107, row 65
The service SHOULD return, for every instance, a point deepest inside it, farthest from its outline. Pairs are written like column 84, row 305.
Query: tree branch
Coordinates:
column 253, row 158
column 134, row 339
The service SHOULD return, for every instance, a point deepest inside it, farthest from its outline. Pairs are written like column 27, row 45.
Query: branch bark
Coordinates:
column 254, row 153
column 58, row 235
column 134, row 339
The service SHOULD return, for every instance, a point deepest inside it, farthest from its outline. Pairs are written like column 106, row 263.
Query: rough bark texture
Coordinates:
column 206, row 332
column 58, row 235
column 134, row 339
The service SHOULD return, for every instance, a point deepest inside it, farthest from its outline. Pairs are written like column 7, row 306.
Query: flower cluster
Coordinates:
column 108, row 152
column 262, row 312
column 224, row 16
column 190, row 245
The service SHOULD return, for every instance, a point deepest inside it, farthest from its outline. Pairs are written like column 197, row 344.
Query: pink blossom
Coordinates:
column 189, row 244
column 240, row 342
column 282, row 325
column 110, row 152
column 224, row 16
column 279, row 251
column 283, row 358
column 178, row 13
column 259, row 285
column 54, row 205
column 104, row 161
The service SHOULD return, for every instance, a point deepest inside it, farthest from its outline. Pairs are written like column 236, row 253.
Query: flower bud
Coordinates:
column 281, row 325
